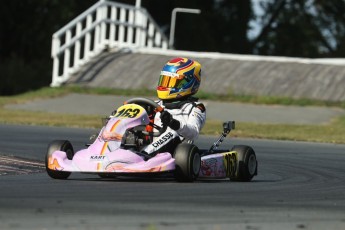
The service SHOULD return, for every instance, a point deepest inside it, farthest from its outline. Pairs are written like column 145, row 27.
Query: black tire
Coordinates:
column 62, row 145
column 247, row 165
column 92, row 139
column 187, row 162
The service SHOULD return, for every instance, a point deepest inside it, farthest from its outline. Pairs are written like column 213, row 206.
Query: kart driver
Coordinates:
column 183, row 115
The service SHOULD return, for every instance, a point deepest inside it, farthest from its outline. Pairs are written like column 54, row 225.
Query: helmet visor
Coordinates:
column 172, row 81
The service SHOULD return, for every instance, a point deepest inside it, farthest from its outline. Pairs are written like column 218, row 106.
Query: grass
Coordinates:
column 48, row 92
column 49, row 119
column 327, row 133
column 269, row 100
column 334, row 132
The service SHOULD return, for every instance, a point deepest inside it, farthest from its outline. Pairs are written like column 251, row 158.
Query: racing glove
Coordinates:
column 168, row 120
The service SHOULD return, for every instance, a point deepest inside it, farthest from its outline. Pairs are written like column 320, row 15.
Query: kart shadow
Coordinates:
column 228, row 180
column 161, row 179
column 113, row 179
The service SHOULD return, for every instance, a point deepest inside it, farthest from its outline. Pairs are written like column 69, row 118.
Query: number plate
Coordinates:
column 129, row 111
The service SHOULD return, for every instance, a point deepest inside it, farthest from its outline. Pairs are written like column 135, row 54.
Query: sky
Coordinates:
column 255, row 26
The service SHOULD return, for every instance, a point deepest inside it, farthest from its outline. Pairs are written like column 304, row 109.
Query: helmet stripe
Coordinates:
column 185, row 67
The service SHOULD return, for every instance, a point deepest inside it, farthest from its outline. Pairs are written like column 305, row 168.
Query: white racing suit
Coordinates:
column 192, row 117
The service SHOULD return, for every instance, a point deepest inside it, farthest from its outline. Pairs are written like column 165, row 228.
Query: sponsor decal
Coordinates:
column 170, row 74
column 209, row 167
column 163, row 139
column 53, row 164
column 97, row 158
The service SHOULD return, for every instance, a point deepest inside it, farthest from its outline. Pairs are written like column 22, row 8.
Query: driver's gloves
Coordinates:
column 168, row 120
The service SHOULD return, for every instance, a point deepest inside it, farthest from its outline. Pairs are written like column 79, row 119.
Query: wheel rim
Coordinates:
column 196, row 164
column 252, row 164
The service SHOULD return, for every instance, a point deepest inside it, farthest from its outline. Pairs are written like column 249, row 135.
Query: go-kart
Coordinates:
column 116, row 151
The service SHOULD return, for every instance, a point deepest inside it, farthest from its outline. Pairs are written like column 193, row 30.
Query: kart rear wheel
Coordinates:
column 187, row 162
column 62, row 145
column 247, row 164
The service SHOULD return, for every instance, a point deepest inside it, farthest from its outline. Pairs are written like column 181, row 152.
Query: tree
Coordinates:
column 330, row 18
column 222, row 25
column 301, row 29
column 26, row 27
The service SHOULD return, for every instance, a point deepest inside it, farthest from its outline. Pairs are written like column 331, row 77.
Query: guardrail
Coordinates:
column 104, row 26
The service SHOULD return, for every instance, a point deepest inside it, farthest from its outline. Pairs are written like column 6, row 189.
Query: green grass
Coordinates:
column 334, row 132
column 48, row 92
column 49, row 119
column 269, row 100
column 327, row 133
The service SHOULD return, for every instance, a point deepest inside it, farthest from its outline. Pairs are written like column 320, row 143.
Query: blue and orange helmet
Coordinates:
column 180, row 77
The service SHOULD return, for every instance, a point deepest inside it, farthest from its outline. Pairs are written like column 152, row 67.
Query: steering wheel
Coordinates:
column 145, row 101
column 148, row 102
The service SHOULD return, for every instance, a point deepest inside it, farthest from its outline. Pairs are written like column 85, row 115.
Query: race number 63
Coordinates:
column 128, row 111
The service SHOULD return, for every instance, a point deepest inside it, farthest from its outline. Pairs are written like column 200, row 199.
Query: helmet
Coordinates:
column 180, row 77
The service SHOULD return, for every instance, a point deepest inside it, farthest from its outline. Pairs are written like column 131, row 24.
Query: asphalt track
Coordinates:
column 300, row 186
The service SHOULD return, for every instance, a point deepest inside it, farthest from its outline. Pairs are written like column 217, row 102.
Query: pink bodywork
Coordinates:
column 106, row 156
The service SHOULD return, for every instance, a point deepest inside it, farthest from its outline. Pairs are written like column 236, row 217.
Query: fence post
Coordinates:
column 87, row 46
column 56, row 61
column 150, row 35
column 97, row 32
column 130, row 41
column 143, row 29
column 113, row 17
column 104, row 11
column 138, row 27
column 122, row 28
column 67, row 56
column 158, row 39
column 77, row 53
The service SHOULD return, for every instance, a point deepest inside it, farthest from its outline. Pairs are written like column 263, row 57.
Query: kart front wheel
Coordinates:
column 187, row 162
column 62, row 145
column 247, row 164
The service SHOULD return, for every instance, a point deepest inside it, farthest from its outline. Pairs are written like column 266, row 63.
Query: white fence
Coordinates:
column 104, row 26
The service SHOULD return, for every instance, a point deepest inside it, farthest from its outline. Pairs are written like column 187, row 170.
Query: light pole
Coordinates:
column 173, row 20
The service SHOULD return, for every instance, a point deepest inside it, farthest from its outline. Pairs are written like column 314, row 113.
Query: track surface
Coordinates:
column 299, row 186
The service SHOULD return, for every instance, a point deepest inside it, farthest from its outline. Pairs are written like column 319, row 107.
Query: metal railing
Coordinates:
column 104, row 26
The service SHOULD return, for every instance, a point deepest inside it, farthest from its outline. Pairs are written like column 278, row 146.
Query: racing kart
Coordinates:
column 116, row 151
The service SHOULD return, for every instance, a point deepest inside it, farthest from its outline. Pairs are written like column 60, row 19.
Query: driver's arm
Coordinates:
column 187, row 124
column 191, row 125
